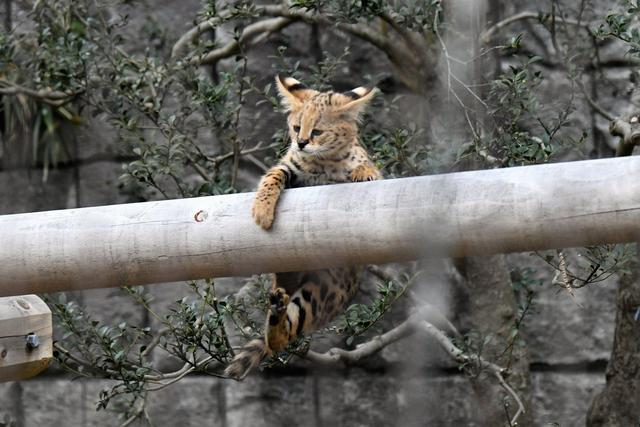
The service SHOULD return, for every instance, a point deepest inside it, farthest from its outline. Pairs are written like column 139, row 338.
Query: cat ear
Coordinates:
column 354, row 101
column 292, row 92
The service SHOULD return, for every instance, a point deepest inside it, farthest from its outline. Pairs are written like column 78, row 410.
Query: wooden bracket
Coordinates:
column 26, row 342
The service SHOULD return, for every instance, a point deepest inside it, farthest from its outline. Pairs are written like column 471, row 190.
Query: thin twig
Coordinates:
column 154, row 342
column 253, row 159
column 235, row 138
column 596, row 107
column 464, row 85
column 200, row 171
column 139, row 411
column 186, row 369
column 380, row 273
column 259, row 147
column 444, row 49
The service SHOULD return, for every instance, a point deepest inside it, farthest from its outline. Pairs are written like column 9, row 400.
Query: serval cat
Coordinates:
column 324, row 150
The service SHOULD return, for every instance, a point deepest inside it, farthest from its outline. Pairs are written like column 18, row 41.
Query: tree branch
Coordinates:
column 379, row 342
column 181, row 46
column 51, row 97
column 248, row 33
column 413, row 324
column 461, row 357
column 488, row 34
column 360, row 30
column 409, row 37
column 399, row 54
column 175, row 376
column 369, row 348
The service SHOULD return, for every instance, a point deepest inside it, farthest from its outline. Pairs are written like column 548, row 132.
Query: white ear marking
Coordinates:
column 290, row 81
column 361, row 91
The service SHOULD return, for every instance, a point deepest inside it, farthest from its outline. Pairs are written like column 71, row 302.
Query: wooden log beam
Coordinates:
column 26, row 344
column 459, row 214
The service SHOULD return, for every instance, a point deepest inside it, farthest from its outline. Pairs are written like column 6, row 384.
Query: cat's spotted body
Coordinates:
column 324, row 150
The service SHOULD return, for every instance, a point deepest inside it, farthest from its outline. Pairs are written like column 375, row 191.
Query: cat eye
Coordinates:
column 296, row 129
column 316, row 132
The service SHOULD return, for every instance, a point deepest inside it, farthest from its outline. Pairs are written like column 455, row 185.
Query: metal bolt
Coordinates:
column 33, row 341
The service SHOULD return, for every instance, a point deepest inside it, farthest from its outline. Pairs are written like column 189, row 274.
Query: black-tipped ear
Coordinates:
column 291, row 84
column 354, row 101
column 359, row 92
column 293, row 92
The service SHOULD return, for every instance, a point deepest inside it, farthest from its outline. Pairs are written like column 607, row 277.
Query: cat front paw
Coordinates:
column 278, row 300
column 365, row 173
column 263, row 211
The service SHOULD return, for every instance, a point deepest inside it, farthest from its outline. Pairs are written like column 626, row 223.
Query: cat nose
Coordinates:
column 302, row 143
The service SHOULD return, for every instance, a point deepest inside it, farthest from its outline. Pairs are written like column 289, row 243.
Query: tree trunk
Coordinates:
column 488, row 308
column 618, row 405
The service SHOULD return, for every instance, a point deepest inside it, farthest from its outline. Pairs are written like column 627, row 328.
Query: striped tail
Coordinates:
column 249, row 358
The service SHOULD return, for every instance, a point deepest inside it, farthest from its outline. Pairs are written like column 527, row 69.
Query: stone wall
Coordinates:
column 568, row 344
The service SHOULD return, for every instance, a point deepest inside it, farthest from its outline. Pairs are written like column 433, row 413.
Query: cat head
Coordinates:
column 322, row 122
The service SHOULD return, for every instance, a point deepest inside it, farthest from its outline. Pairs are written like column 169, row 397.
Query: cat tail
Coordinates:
column 248, row 359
